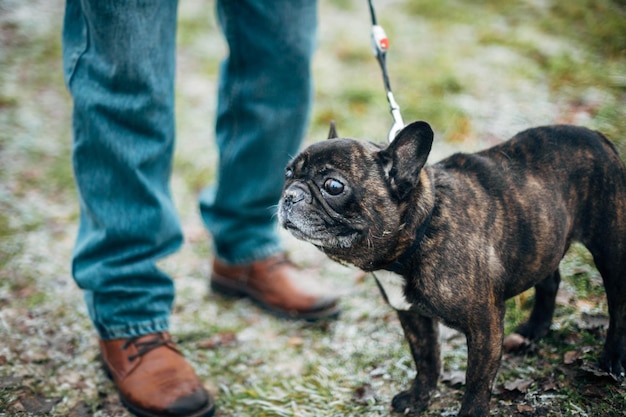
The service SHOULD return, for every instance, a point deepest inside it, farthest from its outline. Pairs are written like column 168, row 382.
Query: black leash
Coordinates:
column 380, row 45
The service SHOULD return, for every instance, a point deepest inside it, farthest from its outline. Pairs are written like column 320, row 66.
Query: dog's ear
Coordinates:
column 405, row 157
column 332, row 133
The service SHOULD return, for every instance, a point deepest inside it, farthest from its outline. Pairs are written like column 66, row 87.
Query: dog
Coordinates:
column 465, row 234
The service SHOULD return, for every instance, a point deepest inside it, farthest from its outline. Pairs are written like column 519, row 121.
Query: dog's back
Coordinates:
column 531, row 196
column 579, row 169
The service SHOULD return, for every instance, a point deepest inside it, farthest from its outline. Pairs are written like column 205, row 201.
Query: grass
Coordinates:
column 478, row 71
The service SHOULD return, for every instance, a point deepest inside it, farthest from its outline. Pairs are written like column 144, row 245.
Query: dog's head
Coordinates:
column 351, row 198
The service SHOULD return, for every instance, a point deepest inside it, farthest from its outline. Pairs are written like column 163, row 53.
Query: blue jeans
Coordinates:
column 119, row 64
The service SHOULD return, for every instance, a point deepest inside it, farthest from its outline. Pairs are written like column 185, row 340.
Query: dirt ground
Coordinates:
column 478, row 71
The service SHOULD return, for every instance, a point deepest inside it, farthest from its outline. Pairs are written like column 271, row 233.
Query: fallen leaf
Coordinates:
column 74, row 378
column 570, row 357
column 453, row 378
column 585, row 305
column 515, row 342
column 25, row 292
column 572, row 338
column 525, row 408
column 34, row 357
column 593, row 321
column 365, row 394
column 10, row 381
column 81, row 410
column 212, row 389
column 593, row 391
column 218, row 340
column 36, row 403
column 550, row 385
column 295, row 341
column 564, row 298
column 519, row 384
column 257, row 362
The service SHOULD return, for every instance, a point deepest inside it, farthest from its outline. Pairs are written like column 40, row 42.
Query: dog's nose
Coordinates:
column 294, row 195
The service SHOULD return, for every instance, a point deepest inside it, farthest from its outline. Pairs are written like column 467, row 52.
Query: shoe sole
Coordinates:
column 219, row 286
column 207, row 411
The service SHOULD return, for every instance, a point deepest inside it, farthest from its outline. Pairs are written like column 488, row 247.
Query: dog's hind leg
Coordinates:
column 538, row 324
column 611, row 262
column 602, row 221
column 422, row 334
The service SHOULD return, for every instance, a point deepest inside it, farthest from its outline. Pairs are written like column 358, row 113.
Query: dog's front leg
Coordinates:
column 484, row 351
column 422, row 333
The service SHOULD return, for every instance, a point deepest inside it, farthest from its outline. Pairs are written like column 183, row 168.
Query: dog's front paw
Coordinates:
column 534, row 330
column 613, row 363
column 407, row 404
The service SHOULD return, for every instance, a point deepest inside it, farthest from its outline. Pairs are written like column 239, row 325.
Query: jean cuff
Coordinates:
column 256, row 255
column 132, row 330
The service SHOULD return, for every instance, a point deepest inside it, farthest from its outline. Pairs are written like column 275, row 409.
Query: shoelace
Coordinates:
column 146, row 346
column 279, row 260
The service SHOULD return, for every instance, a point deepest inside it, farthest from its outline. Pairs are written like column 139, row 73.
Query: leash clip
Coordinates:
column 398, row 123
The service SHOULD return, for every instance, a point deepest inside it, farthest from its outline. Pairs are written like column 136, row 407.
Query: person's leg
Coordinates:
column 119, row 62
column 265, row 95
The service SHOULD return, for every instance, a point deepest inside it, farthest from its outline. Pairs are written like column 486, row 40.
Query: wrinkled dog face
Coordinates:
column 322, row 202
column 342, row 195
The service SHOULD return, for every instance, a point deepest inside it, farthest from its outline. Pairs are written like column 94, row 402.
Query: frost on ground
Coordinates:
column 477, row 72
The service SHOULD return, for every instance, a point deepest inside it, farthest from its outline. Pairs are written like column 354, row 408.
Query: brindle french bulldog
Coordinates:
column 466, row 234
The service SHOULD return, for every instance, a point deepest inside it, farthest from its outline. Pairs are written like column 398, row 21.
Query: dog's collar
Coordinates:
column 398, row 265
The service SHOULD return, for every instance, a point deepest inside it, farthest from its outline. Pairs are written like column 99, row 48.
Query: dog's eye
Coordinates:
column 333, row 187
column 288, row 173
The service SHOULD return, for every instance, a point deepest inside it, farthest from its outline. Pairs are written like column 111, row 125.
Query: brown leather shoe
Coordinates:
column 271, row 283
column 154, row 379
